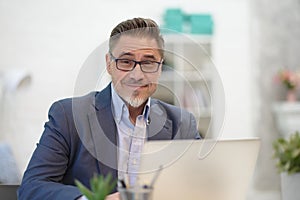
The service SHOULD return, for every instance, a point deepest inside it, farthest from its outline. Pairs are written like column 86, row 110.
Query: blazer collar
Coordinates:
column 103, row 98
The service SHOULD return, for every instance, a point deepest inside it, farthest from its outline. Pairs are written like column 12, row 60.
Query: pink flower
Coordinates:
column 289, row 79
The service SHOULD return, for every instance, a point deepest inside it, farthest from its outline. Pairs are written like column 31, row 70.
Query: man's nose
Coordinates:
column 137, row 72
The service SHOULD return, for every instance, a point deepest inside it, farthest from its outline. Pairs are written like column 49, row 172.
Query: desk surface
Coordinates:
column 8, row 192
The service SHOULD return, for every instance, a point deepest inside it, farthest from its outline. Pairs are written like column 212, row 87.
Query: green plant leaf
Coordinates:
column 100, row 187
column 287, row 153
column 84, row 190
column 295, row 153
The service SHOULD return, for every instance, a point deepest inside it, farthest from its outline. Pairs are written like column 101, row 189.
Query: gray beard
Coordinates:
column 135, row 102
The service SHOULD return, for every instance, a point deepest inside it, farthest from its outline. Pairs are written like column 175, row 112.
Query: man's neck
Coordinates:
column 135, row 111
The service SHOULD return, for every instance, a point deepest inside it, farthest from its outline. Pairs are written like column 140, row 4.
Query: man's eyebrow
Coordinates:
column 150, row 57
column 147, row 56
column 126, row 54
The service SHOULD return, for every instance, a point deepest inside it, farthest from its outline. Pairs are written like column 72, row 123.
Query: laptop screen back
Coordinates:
column 223, row 174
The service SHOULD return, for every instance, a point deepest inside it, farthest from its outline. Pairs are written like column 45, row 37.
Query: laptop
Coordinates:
column 199, row 169
column 8, row 192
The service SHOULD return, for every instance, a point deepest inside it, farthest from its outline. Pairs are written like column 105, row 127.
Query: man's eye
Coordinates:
column 125, row 62
column 147, row 62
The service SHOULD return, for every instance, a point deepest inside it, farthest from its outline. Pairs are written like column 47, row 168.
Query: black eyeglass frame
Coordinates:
column 135, row 64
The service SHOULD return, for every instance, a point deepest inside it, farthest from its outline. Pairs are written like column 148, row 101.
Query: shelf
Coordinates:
column 189, row 76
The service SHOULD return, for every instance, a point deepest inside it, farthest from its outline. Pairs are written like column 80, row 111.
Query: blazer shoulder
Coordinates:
column 96, row 99
column 184, row 122
column 170, row 108
column 72, row 102
column 85, row 98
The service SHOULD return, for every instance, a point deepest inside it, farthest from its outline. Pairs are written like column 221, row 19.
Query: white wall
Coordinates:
column 52, row 39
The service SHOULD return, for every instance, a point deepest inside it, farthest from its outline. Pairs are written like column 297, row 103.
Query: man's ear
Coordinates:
column 108, row 63
column 160, row 68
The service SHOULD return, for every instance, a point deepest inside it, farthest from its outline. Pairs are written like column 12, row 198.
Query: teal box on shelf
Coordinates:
column 174, row 19
column 173, row 11
column 201, row 24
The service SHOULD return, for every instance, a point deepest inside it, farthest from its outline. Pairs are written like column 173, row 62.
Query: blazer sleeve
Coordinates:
column 193, row 128
column 43, row 176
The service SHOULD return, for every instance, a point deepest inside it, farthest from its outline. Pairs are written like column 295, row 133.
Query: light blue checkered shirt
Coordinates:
column 131, row 138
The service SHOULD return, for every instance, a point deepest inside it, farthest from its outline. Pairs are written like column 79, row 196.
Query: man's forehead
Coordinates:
column 144, row 51
column 136, row 44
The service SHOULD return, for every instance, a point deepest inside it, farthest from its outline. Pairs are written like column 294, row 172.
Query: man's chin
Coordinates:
column 136, row 102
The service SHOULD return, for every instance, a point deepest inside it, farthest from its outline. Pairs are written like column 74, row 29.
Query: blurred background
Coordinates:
column 45, row 43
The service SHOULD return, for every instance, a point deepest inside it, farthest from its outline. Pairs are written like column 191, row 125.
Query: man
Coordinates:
column 103, row 132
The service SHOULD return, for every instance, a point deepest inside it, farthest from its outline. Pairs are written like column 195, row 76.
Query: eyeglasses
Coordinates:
column 126, row 65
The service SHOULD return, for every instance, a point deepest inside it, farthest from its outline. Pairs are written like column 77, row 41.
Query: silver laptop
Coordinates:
column 199, row 169
column 8, row 192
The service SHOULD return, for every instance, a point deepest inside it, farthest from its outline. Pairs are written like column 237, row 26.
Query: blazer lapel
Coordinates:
column 160, row 127
column 104, row 133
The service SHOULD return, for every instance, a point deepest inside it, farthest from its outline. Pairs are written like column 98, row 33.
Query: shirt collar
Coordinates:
column 119, row 107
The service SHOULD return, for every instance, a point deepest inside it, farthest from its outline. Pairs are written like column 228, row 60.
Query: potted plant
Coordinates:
column 100, row 187
column 287, row 154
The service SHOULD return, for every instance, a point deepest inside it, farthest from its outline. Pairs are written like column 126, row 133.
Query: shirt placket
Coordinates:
column 136, row 147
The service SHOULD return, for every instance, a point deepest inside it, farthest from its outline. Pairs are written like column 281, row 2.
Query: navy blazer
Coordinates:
column 80, row 140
